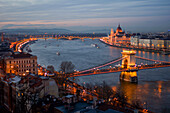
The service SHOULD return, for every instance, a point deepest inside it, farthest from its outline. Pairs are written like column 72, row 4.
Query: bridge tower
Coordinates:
column 129, row 63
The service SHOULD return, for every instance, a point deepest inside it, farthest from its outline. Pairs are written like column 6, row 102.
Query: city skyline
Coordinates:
column 135, row 16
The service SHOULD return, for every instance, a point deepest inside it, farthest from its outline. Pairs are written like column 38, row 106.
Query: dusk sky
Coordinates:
column 133, row 15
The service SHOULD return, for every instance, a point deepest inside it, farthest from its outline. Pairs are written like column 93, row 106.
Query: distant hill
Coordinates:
column 36, row 31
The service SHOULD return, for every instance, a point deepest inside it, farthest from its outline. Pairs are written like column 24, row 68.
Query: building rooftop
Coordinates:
column 21, row 55
column 77, row 107
column 119, row 28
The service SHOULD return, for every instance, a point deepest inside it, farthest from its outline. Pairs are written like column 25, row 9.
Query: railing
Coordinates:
column 93, row 71
column 151, row 59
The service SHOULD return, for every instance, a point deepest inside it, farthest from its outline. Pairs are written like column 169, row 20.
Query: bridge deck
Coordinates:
column 114, row 70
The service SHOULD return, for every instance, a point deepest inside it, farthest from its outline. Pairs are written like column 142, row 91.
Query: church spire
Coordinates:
column 112, row 32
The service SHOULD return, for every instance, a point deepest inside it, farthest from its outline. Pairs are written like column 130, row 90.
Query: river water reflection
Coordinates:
column 153, row 87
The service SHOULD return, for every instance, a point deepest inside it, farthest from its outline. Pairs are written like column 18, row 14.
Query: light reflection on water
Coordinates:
column 153, row 86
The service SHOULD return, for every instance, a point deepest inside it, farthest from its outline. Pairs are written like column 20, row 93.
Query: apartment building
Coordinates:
column 21, row 64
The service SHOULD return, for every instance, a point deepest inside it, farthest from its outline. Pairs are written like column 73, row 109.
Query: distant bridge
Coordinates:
column 64, row 37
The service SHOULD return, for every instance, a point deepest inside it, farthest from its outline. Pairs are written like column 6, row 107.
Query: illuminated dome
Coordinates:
column 119, row 29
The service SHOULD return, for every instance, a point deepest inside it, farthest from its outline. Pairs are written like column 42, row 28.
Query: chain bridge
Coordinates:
column 128, row 64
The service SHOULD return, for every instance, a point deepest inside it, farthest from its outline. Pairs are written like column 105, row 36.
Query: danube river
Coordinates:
column 153, row 88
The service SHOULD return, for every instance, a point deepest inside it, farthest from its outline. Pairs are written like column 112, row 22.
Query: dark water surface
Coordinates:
column 153, row 87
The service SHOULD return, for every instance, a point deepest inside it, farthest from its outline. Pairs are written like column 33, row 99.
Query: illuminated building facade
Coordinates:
column 21, row 64
column 167, row 43
column 157, row 43
column 118, row 37
column 145, row 42
column 150, row 42
column 134, row 40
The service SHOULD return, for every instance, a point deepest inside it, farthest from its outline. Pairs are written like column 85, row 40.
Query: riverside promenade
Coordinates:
column 138, row 48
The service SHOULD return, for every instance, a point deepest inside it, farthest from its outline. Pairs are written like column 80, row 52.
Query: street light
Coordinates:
column 145, row 103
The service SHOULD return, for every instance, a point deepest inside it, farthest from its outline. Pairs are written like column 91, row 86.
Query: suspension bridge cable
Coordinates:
column 102, row 65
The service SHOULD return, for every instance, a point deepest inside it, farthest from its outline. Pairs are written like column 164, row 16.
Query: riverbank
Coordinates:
column 25, row 45
column 138, row 49
column 83, row 55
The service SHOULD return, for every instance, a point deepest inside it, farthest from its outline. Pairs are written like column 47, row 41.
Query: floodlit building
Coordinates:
column 158, row 43
column 145, row 42
column 21, row 64
column 167, row 44
column 153, row 42
column 134, row 41
column 117, row 37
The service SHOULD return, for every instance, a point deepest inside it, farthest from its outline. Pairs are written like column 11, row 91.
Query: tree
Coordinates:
column 50, row 68
column 26, row 102
column 107, row 91
column 104, row 91
column 122, row 98
column 67, row 67
column 27, row 97
column 137, row 104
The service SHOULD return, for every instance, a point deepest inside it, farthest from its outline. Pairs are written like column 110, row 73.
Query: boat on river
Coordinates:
column 28, row 49
column 58, row 53
column 94, row 45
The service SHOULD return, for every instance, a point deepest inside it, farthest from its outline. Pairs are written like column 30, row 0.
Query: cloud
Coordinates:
column 61, row 12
